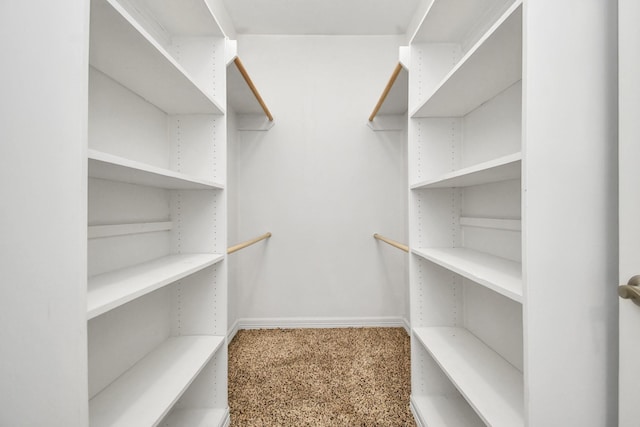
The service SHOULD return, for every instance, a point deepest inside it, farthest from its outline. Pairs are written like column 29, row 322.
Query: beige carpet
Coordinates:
column 320, row 377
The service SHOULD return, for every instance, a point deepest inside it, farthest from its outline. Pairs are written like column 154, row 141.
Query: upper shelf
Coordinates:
column 242, row 94
column 190, row 18
column 492, row 65
column 115, row 168
column 500, row 169
column 121, row 48
column 447, row 21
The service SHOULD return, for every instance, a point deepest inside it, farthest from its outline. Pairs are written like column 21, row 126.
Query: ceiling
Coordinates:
column 330, row 17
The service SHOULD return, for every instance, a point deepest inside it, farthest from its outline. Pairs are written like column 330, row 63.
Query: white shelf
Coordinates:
column 115, row 168
column 122, row 49
column 500, row 169
column 447, row 21
column 110, row 290
column 197, row 418
column 144, row 394
column 444, row 411
column 498, row 274
column 491, row 385
column 491, row 66
column 190, row 18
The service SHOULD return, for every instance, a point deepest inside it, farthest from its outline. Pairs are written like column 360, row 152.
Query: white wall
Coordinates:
column 322, row 182
column 43, row 217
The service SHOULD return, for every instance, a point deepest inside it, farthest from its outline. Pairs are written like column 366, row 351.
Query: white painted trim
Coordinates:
column 232, row 331
column 416, row 413
column 226, row 420
column 321, row 322
column 406, row 325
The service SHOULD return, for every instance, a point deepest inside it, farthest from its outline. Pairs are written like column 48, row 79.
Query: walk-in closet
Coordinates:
column 319, row 212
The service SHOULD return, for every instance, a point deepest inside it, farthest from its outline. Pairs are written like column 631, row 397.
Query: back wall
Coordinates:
column 322, row 182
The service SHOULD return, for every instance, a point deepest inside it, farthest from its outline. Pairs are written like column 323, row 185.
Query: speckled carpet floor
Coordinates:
column 320, row 377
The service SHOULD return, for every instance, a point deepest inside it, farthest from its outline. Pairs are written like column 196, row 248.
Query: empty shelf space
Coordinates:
column 445, row 411
column 115, row 168
column 122, row 49
column 110, row 290
column 491, row 66
column 498, row 274
column 144, row 394
column 196, row 418
column 492, row 386
column 500, row 169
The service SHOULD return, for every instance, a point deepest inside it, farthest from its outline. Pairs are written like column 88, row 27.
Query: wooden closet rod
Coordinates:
column 243, row 245
column 253, row 88
column 392, row 242
column 386, row 91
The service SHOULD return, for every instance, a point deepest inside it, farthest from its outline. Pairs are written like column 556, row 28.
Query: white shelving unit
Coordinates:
column 156, row 293
column 465, row 229
column 495, row 115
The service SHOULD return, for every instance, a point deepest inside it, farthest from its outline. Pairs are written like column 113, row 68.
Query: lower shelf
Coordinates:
column 493, row 387
column 444, row 411
column 145, row 394
column 198, row 418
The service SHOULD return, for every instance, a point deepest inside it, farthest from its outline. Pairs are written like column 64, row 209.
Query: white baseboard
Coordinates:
column 226, row 421
column 416, row 414
column 232, row 331
column 320, row 322
column 406, row 325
